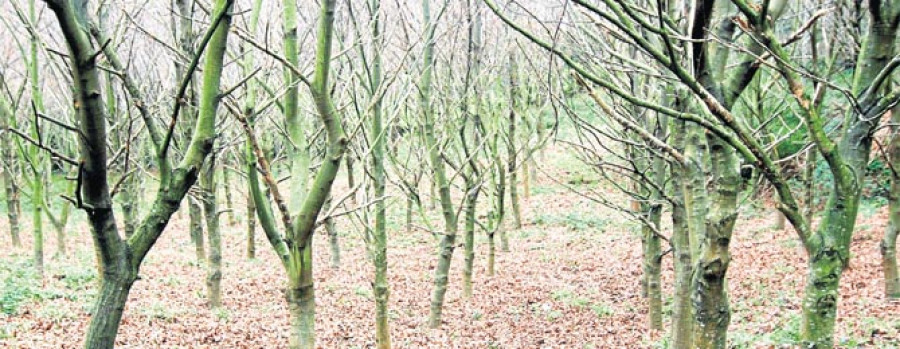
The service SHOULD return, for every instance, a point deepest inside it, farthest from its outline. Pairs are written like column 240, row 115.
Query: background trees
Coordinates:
column 688, row 113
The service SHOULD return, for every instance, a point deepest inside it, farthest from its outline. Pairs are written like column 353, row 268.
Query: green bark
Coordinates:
column 471, row 202
column 195, row 225
column 710, row 289
column 889, row 241
column 333, row 240
column 682, row 317
column 448, row 238
column 249, row 110
column 829, row 247
column 499, row 211
column 380, row 287
column 294, row 249
column 120, row 260
column 229, row 200
column 37, row 221
column 298, row 150
column 210, row 211
column 8, row 173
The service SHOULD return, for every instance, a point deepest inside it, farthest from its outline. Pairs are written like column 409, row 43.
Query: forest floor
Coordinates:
column 570, row 280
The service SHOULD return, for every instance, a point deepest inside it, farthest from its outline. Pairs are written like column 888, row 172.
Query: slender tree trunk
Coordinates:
column 809, row 185
column 35, row 154
column 333, row 240
column 351, row 179
column 499, row 210
column 513, row 177
column 37, row 220
column 526, row 175
column 249, row 110
column 12, row 197
column 653, row 265
column 682, row 318
column 889, row 241
column 779, row 220
column 210, row 210
column 380, row 288
column 440, row 180
column 409, row 212
column 8, row 172
column 469, row 236
column 129, row 193
column 195, row 225
column 251, row 224
column 60, row 223
column 229, row 200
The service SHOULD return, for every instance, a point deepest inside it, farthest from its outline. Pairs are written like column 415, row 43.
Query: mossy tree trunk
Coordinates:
column 299, row 219
column 120, row 259
column 889, row 241
column 249, row 112
column 210, row 211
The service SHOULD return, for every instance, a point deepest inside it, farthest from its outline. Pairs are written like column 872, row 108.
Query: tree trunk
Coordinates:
column 12, row 191
column 251, row 223
column 441, row 274
column 107, row 312
column 710, row 289
column 37, row 219
column 351, row 179
column 682, row 318
column 249, row 110
column 210, row 210
column 302, row 300
column 779, row 220
column 409, row 212
column 809, row 185
column 652, row 266
column 889, row 241
column 333, row 241
column 196, row 227
column 130, row 197
column 229, row 200
column 820, row 299
column 491, row 253
column 513, row 178
column 469, row 237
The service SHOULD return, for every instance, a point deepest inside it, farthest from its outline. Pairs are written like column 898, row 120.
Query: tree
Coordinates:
column 294, row 247
column 120, row 259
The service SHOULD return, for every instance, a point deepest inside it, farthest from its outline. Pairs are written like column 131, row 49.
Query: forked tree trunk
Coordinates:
column 120, row 259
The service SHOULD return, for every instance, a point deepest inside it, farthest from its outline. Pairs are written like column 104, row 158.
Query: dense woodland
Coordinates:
column 471, row 173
